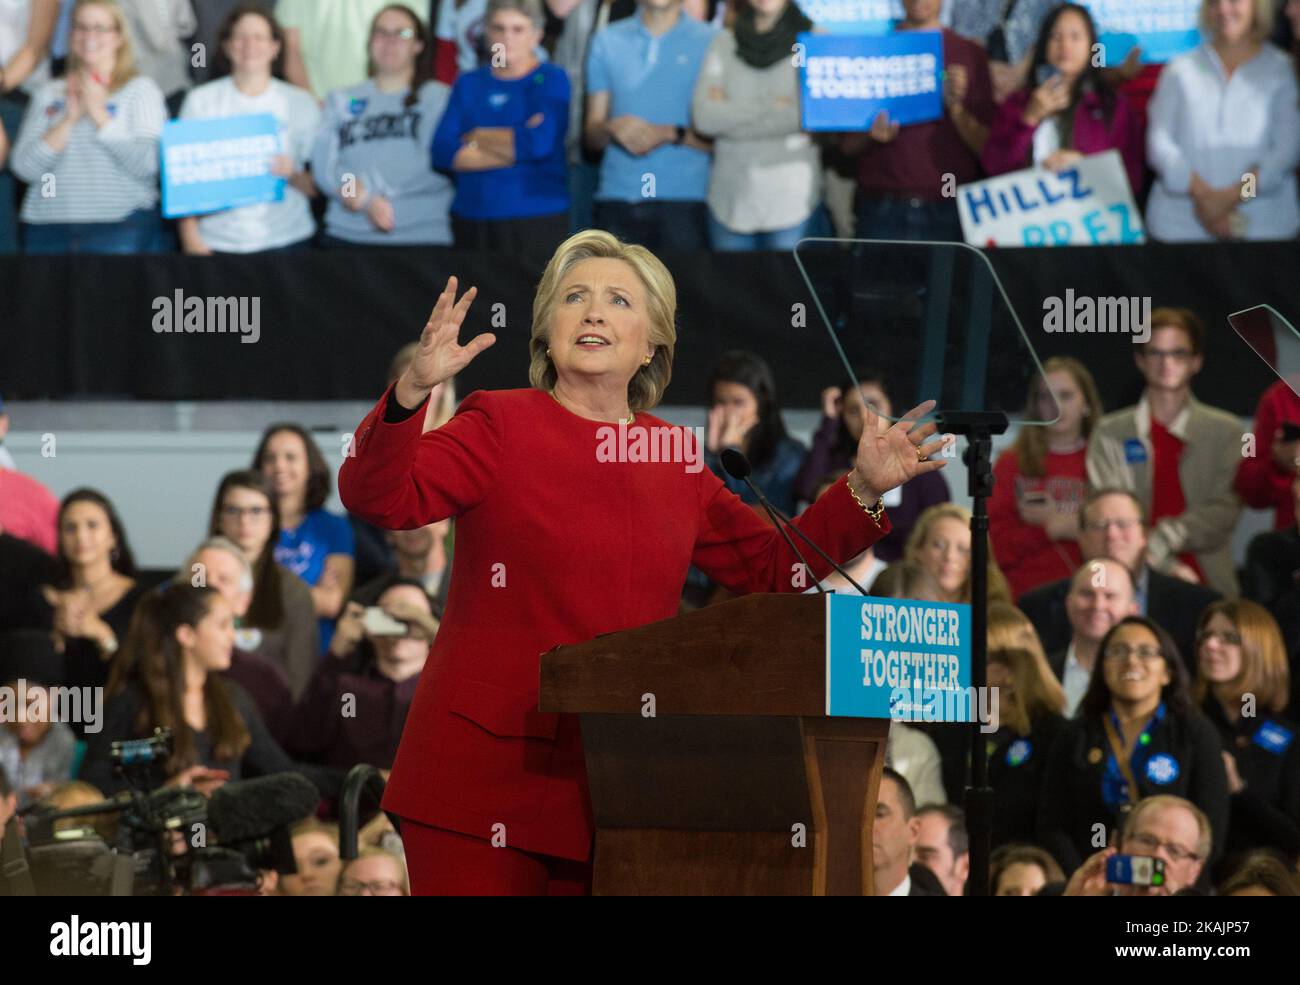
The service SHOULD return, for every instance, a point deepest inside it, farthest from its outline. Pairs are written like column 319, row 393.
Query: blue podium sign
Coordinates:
column 899, row 659
column 208, row 165
column 846, row 80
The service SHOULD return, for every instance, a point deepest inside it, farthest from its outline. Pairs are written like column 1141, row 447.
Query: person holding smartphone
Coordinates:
column 1065, row 110
column 1264, row 479
column 376, row 657
column 1170, row 829
column 1042, row 479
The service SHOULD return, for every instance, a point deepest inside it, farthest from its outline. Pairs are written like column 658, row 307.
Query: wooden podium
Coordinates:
column 707, row 796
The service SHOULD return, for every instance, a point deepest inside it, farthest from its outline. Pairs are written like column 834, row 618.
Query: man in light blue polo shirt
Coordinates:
column 655, row 174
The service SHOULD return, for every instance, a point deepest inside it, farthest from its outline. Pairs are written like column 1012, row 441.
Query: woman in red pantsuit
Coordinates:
column 556, row 543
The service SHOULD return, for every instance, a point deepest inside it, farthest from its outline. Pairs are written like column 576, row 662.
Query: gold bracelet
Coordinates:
column 874, row 512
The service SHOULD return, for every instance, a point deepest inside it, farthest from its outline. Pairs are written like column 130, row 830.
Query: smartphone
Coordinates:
column 377, row 622
column 1045, row 73
column 1135, row 870
column 1290, row 431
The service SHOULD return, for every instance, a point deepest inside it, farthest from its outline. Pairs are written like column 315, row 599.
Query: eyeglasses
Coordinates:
column 235, row 512
column 379, row 887
column 405, row 34
column 1177, row 355
column 95, row 28
column 1151, row 844
column 1119, row 652
column 1227, row 637
column 1100, row 526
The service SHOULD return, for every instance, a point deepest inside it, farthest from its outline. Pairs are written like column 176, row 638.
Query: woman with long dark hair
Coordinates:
column 315, row 544
column 168, row 676
column 1065, row 111
column 371, row 156
column 744, row 414
column 280, row 624
column 1041, row 480
column 88, row 606
column 1136, row 734
column 832, row 448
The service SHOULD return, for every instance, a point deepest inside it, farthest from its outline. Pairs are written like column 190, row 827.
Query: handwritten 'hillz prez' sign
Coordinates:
column 1089, row 204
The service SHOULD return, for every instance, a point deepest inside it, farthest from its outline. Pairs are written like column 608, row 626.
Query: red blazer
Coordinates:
column 553, row 546
column 1259, row 481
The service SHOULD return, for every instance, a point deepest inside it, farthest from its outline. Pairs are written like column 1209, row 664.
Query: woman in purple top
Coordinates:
column 832, row 452
column 1065, row 110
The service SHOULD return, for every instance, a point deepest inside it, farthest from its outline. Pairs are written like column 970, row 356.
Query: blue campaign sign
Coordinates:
column 208, row 165
column 899, row 659
column 846, row 80
column 853, row 16
column 1161, row 28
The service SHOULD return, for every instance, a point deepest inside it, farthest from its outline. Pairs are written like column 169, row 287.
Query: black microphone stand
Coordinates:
column 978, row 427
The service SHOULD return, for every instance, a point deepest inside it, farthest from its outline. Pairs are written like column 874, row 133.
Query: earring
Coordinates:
column 648, row 360
column 548, row 351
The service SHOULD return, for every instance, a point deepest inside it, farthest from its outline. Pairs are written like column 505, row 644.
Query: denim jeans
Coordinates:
column 678, row 227
column 724, row 240
column 908, row 219
column 139, row 232
column 11, row 114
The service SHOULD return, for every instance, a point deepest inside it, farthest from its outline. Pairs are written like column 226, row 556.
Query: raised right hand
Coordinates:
column 440, row 355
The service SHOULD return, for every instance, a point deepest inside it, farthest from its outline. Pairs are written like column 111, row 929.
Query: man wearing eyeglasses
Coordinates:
column 1177, row 455
column 1168, row 828
column 1113, row 525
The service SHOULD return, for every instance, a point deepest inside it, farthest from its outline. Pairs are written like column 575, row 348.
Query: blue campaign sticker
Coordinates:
column 358, row 106
column 900, row 659
column 1019, row 751
column 55, row 108
column 1273, row 737
column 1162, row 769
column 1135, row 453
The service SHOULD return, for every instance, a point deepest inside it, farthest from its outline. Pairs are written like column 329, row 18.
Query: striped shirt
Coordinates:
column 103, row 174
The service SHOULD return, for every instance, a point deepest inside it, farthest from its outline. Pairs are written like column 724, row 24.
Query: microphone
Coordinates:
column 738, row 467
column 253, row 809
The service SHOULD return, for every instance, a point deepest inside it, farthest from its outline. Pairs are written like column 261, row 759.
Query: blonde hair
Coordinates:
column 646, row 388
column 1014, row 642
column 1205, row 835
column 1031, row 442
column 124, row 69
column 371, row 851
column 999, row 590
column 1261, row 22
column 1265, row 672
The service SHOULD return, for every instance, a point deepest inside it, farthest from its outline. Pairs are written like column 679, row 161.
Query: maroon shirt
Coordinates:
column 914, row 163
column 321, row 733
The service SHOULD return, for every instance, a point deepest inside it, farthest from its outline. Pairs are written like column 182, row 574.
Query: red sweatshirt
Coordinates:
column 1259, row 481
column 553, row 546
column 1026, row 555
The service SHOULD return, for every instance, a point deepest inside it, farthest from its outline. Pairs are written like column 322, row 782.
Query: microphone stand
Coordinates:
column 978, row 427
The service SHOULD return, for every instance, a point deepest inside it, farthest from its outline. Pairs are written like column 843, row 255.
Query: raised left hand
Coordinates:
column 888, row 458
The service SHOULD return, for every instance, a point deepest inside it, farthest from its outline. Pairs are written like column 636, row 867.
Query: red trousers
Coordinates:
column 447, row 863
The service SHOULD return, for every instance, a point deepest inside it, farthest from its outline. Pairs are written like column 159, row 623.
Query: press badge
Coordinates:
column 1135, row 453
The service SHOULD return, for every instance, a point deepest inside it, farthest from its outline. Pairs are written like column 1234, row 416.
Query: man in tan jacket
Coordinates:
column 1177, row 455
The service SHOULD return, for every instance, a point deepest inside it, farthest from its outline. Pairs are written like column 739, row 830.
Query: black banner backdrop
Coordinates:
column 330, row 322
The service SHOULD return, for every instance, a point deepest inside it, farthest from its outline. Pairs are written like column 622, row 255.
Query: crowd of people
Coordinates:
column 672, row 123
column 1144, row 676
